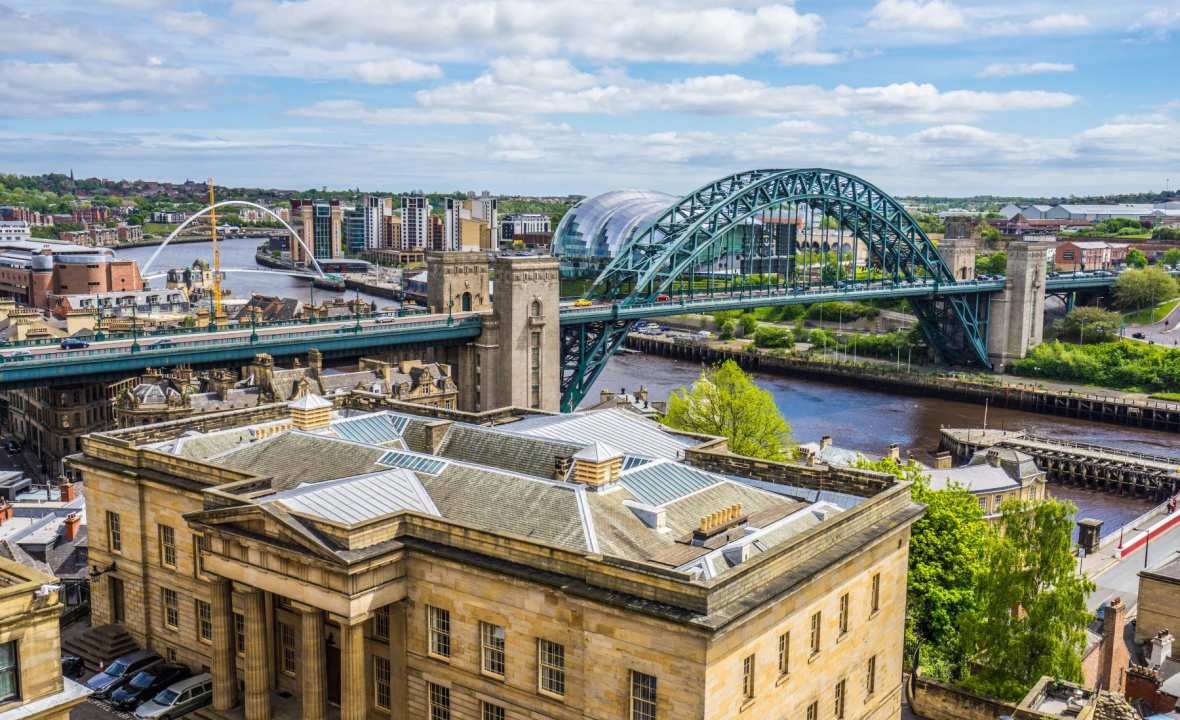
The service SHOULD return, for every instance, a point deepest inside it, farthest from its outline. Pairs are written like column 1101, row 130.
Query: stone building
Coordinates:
column 1159, row 600
column 396, row 565
column 31, row 683
column 992, row 475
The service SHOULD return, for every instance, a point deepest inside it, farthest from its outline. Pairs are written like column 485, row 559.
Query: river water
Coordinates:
column 855, row 417
column 869, row 421
column 239, row 253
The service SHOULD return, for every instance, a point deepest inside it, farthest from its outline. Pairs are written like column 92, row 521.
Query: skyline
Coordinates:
column 916, row 96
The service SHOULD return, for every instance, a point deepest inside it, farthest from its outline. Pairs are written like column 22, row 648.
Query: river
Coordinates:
column 869, row 421
column 239, row 253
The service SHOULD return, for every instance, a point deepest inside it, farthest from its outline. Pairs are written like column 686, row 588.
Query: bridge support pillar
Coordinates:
column 1017, row 314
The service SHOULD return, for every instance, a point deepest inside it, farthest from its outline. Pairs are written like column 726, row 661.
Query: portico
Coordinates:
column 285, row 623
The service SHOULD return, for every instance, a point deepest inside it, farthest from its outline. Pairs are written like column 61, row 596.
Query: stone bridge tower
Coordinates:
column 1016, row 318
column 516, row 359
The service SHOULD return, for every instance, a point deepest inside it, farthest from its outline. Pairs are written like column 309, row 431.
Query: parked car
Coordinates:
column 18, row 355
column 71, row 665
column 74, row 344
column 120, row 671
column 147, row 684
column 179, row 698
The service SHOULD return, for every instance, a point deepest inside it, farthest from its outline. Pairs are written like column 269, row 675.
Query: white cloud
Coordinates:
column 191, row 23
column 1036, row 68
column 604, row 30
column 354, row 111
column 916, row 15
column 68, row 88
column 398, row 70
column 1061, row 22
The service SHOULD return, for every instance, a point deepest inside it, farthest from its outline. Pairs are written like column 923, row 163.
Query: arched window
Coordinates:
column 465, row 303
column 535, row 309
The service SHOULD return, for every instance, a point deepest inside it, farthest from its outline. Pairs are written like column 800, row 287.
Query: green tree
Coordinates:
column 1171, row 258
column 1030, row 612
column 1137, row 289
column 725, row 401
column 945, row 554
column 995, row 263
column 748, row 323
column 1090, row 324
column 1136, row 258
column 727, row 329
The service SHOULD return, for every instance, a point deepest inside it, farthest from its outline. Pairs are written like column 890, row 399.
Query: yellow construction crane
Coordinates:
column 216, row 256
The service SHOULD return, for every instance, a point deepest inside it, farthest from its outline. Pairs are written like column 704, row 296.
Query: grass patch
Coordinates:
column 1175, row 396
column 1152, row 315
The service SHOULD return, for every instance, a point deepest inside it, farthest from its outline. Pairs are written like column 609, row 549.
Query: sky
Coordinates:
column 550, row 97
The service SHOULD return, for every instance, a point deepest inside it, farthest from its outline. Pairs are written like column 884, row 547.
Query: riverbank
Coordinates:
column 990, row 390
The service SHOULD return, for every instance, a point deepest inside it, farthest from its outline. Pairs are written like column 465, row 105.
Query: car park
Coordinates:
column 120, row 671
column 178, row 698
column 146, row 684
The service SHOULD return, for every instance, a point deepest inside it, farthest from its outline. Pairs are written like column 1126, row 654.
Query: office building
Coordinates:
column 14, row 230
column 482, row 209
column 320, row 223
column 525, row 225
column 340, row 552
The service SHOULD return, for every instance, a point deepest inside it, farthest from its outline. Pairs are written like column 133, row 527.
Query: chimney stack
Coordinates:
column 68, row 492
column 825, row 442
column 70, row 526
column 597, row 465
column 895, row 452
column 943, row 460
column 1161, row 647
column 310, row 411
column 435, row 432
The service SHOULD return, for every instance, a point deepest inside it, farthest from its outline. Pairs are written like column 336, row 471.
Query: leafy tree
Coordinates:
column 945, row 555
column 725, row 401
column 748, row 323
column 1136, row 258
column 987, row 231
column 1167, row 233
column 727, row 329
column 993, row 264
column 771, row 336
column 1135, row 289
column 1090, row 324
column 1171, row 258
column 1030, row 615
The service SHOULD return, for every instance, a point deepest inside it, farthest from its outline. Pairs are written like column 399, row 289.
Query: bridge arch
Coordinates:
column 719, row 234
column 239, row 203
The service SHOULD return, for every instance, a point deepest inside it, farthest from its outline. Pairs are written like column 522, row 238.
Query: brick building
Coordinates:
column 418, row 566
column 31, row 271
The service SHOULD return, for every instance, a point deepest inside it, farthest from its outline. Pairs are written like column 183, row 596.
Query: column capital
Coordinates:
column 242, row 589
column 304, row 608
column 350, row 621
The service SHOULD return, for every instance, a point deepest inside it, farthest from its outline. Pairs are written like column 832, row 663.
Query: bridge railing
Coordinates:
column 255, row 339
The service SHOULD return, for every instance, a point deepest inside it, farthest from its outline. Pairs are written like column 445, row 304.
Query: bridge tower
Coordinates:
column 1017, row 313
column 516, row 358
column 959, row 256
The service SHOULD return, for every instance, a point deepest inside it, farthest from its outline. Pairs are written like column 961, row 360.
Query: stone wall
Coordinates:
column 863, row 483
column 934, row 700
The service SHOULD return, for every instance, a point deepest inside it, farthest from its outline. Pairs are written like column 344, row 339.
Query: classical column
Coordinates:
column 257, row 672
column 399, row 681
column 225, row 671
column 354, row 702
column 312, row 668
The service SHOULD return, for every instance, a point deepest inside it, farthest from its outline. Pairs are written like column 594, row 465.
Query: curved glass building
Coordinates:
column 598, row 225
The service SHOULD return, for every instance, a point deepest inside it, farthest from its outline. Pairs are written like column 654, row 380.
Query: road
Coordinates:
column 1122, row 579
column 1163, row 332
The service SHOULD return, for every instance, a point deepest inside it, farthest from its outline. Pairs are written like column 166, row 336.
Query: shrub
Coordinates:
column 770, row 336
column 831, row 311
column 727, row 329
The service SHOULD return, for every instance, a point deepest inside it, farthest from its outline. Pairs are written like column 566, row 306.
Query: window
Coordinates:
column 843, row 614
column 439, row 698
column 381, row 682
column 875, row 594
column 200, row 545
column 551, row 667
column 813, row 711
column 287, row 648
column 643, row 696
column 440, row 631
column 748, row 678
column 114, row 532
column 871, row 676
column 9, row 672
column 171, row 611
column 381, row 623
column 170, row 654
column 491, row 647
column 535, row 309
column 840, row 700
column 784, row 653
column 488, row 711
column 167, row 546
column 204, row 621
column 239, row 633
column 815, row 632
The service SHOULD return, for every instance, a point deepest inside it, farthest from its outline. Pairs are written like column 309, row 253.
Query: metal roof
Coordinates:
column 375, row 429
column 617, row 427
column 411, row 461
column 359, row 498
column 658, row 483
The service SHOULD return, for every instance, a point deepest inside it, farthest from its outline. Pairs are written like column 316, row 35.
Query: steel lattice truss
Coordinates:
column 696, row 232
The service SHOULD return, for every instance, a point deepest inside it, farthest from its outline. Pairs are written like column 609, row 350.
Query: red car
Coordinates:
column 662, row 298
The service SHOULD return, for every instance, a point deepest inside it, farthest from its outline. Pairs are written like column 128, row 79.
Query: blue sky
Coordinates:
column 554, row 97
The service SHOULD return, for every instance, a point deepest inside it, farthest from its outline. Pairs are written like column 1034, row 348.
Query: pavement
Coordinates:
column 1121, row 578
column 1161, row 333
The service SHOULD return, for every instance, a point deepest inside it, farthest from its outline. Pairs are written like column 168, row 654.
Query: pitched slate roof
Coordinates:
column 504, row 449
column 375, row 429
column 295, row 457
column 356, row 499
column 618, row 427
